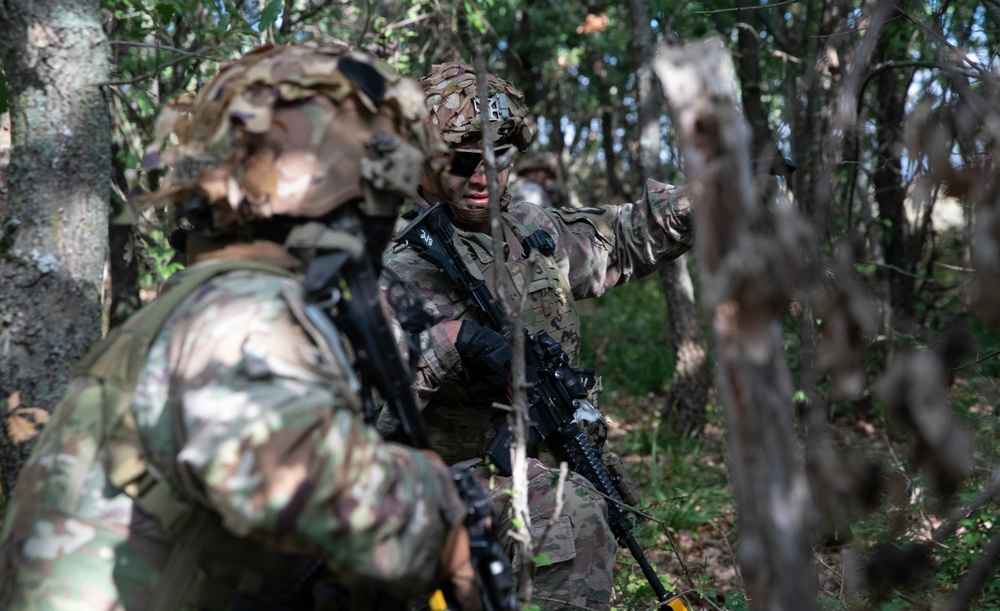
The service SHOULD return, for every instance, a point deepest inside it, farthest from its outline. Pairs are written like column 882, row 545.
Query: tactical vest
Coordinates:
column 208, row 568
column 460, row 430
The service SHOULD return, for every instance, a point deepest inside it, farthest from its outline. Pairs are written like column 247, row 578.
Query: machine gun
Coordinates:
column 558, row 391
column 346, row 292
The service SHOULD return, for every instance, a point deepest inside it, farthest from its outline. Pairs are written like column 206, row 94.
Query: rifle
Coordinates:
column 558, row 390
column 346, row 292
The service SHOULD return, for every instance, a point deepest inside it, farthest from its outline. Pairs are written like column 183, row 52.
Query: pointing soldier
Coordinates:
column 581, row 253
column 211, row 453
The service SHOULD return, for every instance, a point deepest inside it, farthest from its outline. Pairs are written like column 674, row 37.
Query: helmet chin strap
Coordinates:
column 463, row 216
column 476, row 216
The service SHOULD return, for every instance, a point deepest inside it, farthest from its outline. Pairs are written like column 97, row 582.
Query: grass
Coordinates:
column 624, row 336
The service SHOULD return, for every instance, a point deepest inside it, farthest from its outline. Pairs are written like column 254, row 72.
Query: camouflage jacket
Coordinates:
column 595, row 249
column 242, row 407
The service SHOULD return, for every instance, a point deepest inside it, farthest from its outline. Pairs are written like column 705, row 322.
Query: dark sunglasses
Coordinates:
column 465, row 163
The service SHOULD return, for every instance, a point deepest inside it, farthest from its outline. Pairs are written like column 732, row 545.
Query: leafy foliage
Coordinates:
column 623, row 337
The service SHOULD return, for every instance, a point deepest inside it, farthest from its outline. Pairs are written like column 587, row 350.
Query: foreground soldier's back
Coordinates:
column 211, row 453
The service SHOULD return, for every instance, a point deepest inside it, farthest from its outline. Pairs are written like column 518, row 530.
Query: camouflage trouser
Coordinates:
column 580, row 547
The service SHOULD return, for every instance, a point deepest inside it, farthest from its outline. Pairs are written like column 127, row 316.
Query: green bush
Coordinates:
column 626, row 338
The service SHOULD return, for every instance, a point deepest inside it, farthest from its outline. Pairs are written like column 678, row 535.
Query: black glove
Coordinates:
column 486, row 359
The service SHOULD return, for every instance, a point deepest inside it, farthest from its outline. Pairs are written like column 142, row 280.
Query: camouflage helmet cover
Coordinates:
column 545, row 162
column 296, row 131
column 453, row 104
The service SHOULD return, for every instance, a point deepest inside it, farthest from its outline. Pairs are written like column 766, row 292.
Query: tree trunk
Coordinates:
column 762, row 145
column 684, row 407
column 648, row 120
column 742, row 281
column 615, row 188
column 889, row 99
column 4, row 156
column 54, row 231
column 123, row 265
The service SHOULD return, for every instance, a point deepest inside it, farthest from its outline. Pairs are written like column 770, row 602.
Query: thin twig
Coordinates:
column 160, row 47
column 745, row 8
column 519, row 418
column 158, row 70
column 956, row 268
column 406, row 22
column 976, row 362
column 681, row 595
column 976, row 576
column 732, row 554
column 951, row 525
column 840, row 578
column 557, row 511
column 903, row 272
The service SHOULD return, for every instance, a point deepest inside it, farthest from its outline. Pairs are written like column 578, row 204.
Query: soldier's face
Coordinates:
column 470, row 191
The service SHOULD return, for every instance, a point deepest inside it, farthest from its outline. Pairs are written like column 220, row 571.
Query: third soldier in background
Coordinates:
column 536, row 180
column 466, row 364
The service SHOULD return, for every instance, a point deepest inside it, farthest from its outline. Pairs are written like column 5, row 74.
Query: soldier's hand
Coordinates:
column 455, row 574
column 455, row 571
column 486, row 357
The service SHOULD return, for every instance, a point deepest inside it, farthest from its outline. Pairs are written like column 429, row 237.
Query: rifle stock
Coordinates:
column 558, row 390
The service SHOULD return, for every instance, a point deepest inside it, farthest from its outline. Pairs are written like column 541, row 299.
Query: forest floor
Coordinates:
column 701, row 555
column 684, row 486
column 698, row 554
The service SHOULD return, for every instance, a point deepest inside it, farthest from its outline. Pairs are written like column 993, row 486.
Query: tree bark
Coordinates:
column 742, row 284
column 4, row 156
column 615, row 188
column 54, row 224
column 762, row 147
column 889, row 110
column 684, row 407
column 123, row 265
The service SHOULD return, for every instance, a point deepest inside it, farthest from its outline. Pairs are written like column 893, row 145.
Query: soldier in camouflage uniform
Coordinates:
column 536, row 180
column 465, row 367
column 211, row 453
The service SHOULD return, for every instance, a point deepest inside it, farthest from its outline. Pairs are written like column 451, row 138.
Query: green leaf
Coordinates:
column 139, row 33
column 541, row 560
column 270, row 14
column 165, row 11
column 475, row 18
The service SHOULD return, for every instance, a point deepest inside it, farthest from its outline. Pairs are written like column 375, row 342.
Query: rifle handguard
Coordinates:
column 621, row 479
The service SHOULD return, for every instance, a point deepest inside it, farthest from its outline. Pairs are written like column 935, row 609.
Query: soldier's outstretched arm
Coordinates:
column 604, row 246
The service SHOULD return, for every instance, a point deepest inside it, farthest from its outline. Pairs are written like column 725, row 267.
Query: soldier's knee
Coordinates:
column 583, row 499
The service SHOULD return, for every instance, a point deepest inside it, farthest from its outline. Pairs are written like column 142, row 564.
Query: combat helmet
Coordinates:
column 545, row 162
column 294, row 132
column 454, row 108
